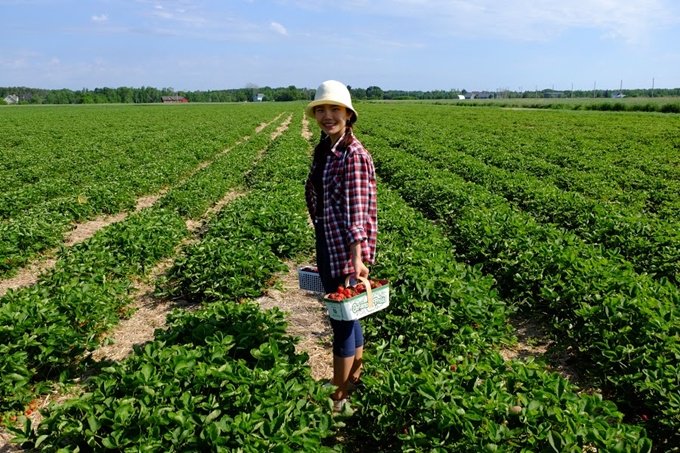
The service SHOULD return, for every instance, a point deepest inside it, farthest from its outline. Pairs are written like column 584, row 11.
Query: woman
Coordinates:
column 341, row 199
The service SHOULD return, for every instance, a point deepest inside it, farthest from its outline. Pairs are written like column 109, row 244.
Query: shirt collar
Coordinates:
column 338, row 152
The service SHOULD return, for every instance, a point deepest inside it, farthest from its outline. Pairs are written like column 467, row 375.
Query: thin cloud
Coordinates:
column 628, row 20
column 179, row 12
column 100, row 18
column 278, row 28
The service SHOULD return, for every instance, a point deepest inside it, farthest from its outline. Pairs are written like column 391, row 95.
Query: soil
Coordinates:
column 533, row 341
column 307, row 319
column 261, row 127
column 282, row 128
column 28, row 275
column 306, row 132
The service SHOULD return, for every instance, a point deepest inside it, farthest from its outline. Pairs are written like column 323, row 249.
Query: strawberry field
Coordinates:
column 487, row 217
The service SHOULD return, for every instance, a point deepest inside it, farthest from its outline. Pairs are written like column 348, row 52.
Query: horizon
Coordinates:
column 402, row 45
column 599, row 89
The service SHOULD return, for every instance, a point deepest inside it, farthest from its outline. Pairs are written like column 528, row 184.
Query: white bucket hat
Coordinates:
column 334, row 93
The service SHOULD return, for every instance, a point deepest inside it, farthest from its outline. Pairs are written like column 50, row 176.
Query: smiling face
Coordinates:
column 332, row 119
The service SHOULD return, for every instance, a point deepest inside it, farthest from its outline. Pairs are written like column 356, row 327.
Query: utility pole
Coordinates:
column 652, row 86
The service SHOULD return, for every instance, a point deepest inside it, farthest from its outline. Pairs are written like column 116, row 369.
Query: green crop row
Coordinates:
column 244, row 243
column 66, row 165
column 45, row 329
column 620, row 323
column 52, row 153
column 224, row 378
column 626, row 159
column 651, row 245
column 437, row 380
column 194, row 196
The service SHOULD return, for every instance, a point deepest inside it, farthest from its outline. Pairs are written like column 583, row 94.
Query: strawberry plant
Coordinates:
column 548, row 269
column 45, row 328
column 225, row 377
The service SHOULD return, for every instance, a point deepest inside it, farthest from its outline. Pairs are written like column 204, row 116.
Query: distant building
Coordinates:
column 259, row 97
column 174, row 99
column 618, row 95
column 12, row 99
column 461, row 96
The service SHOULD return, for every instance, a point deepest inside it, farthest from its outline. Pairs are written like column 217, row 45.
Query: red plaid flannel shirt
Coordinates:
column 350, row 205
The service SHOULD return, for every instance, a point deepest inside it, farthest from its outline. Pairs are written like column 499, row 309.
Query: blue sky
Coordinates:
column 403, row 44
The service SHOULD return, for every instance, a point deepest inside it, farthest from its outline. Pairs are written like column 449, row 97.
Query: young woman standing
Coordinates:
column 341, row 199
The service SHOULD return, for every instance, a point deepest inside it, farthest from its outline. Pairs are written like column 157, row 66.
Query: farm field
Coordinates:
column 628, row 104
column 488, row 217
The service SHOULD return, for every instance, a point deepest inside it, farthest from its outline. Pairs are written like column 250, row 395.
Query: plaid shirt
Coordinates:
column 350, row 211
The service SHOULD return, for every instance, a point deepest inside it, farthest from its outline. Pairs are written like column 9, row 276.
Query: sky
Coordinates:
column 423, row 45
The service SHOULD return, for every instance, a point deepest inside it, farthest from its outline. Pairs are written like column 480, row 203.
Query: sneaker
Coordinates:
column 342, row 407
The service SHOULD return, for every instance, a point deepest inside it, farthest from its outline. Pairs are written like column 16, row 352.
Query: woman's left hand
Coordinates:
column 360, row 269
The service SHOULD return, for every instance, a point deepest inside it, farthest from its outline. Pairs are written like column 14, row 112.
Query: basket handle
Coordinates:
column 367, row 284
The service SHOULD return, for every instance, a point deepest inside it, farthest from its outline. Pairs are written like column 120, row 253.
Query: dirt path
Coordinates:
column 306, row 132
column 150, row 312
column 307, row 319
column 261, row 127
column 30, row 274
column 282, row 128
column 533, row 341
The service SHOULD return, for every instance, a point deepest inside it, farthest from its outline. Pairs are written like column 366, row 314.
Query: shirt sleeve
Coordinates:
column 310, row 196
column 359, row 176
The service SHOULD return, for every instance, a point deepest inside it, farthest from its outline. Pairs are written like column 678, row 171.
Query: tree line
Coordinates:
column 143, row 95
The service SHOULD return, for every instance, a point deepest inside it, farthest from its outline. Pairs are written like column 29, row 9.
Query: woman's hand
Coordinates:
column 360, row 268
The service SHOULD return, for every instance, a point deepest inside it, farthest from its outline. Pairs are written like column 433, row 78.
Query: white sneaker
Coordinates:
column 342, row 407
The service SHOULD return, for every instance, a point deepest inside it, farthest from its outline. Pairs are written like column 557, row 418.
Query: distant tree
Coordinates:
column 374, row 92
column 288, row 94
column 358, row 93
column 125, row 95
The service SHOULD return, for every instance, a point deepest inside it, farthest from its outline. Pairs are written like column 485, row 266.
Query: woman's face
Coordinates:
column 332, row 119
